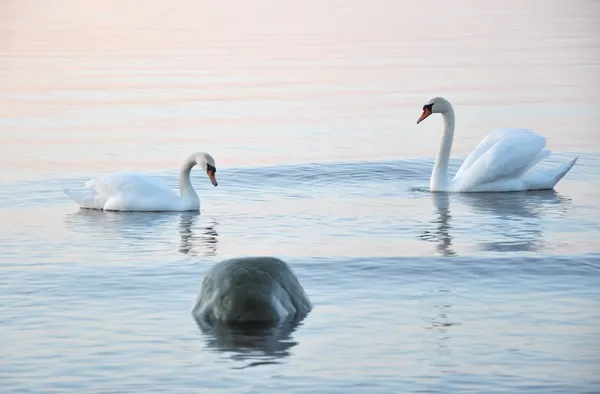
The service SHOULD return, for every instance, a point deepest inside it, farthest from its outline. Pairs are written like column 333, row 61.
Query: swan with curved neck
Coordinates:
column 140, row 192
column 504, row 160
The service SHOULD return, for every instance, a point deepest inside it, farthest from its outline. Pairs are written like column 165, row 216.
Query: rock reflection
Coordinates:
column 254, row 345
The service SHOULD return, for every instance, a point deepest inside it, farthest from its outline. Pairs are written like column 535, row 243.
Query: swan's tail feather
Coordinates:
column 549, row 178
column 81, row 197
column 563, row 171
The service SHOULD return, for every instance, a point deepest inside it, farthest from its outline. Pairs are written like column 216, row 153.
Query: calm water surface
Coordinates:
column 309, row 109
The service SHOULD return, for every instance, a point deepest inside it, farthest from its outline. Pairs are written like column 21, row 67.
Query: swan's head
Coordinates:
column 437, row 105
column 207, row 162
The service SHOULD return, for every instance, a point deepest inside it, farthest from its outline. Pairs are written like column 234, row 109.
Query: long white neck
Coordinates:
column 439, row 176
column 188, row 194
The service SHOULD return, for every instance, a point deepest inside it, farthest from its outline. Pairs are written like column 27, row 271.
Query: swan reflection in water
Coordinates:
column 440, row 325
column 512, row 219
column 144, row 226
column 253, row 344
column 441, row 236
column 204, row 244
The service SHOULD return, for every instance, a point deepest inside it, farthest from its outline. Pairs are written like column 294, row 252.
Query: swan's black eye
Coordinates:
column 428, row 107
column 210, row 168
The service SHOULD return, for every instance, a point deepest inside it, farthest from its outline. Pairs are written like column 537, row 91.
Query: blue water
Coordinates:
column 412, row 290
column 310, row 114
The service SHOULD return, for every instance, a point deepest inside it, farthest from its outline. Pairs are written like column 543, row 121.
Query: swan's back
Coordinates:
column 125, row 192
column 504, row 155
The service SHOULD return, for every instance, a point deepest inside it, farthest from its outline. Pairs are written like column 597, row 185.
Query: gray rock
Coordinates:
column 250, row 290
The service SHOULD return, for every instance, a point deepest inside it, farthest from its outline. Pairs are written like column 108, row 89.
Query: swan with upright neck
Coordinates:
column 503, row 161
column 140, row 192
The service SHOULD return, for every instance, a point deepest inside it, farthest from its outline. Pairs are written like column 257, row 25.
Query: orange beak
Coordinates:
column 211, row 176
column 426, row 113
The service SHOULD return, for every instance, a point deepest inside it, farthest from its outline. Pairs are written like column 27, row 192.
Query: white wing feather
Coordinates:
column 503, row 154
column 125, row 191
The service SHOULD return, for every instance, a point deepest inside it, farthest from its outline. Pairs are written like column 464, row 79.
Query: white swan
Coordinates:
column 242, row 290
column 139, row 192
column 502, row 162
